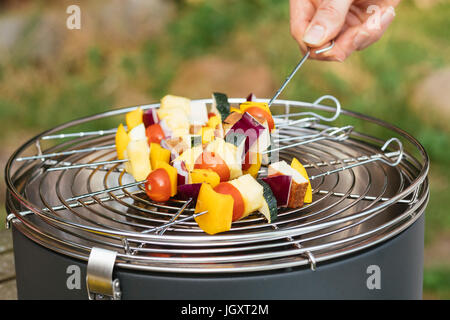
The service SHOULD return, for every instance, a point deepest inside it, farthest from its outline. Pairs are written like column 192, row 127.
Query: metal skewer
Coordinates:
column 161, row 229
column 291, row 75
column 281, row 123
column 175, row 217
column 333, row 133
column 385, row 158
column 95, row 193
column 166, row 225
column 378, row 157
column 80, row 134
column 348, row 160
column 65, row 153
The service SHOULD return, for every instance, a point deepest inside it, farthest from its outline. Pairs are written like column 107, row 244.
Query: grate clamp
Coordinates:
column 99, row 282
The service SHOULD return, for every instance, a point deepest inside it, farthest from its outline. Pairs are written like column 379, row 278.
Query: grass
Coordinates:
column 436, row 283
column 379, row 81
column 438, row 217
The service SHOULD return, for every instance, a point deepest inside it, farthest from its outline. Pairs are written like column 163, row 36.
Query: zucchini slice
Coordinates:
column 193, row 140
column 239, row 140
column 269, row 208
column 221, row 104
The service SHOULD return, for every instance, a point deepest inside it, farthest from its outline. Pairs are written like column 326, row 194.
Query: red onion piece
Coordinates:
column 183, row 173
column 281, row 188
column 150, row 117
column 187, row 191
column 247, row 126
column 251, row 97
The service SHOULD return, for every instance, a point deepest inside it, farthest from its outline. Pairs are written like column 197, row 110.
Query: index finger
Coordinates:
column 301, row 14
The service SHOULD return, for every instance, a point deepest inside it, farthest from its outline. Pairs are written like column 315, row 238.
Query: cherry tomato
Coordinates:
column 210, row 160
column 238, row 204
column 211, row 114
column 157, row 186
column 259, row 114
column 154, row 133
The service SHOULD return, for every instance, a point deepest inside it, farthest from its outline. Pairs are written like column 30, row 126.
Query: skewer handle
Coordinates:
column 291, row 75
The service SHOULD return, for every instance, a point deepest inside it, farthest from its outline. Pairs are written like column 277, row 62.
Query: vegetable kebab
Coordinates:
column 212, row 154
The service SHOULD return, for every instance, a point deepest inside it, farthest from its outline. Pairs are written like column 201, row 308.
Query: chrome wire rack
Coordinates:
column 67, row 192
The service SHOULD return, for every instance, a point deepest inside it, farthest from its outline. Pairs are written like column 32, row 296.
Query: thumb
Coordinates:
column 327, row 22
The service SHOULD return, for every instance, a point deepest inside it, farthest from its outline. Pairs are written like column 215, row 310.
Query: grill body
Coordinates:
column 42, row 274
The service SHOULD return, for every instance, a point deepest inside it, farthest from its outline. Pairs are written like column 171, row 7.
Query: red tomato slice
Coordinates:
column 259, row 113
column 210, row 160
column 238, row 205
column 157, row 186
column 154, row 133
column 246, row 163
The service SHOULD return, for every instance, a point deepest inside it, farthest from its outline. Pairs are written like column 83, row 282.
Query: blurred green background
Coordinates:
column 134, row 52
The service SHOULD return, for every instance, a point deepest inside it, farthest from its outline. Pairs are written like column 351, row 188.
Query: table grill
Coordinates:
column 75, row 214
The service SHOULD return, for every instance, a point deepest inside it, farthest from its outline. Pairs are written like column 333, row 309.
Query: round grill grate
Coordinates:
column 360, row 198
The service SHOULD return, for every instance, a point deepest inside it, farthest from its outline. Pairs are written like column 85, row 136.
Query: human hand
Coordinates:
column 353, row 24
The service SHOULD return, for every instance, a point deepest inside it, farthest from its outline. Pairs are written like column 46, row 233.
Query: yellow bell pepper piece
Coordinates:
column 234, row 109
column 301, row 169
column 254, row 167
column 134, row 118
column 219, row 207
column 207, row 134
column 172, row 175
column 204, row 176
column 122, row 141
column 263, row 105
column 158, row 153
column 214, row 121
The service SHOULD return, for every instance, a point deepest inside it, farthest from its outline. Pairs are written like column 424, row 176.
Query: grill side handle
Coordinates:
column 99, row 281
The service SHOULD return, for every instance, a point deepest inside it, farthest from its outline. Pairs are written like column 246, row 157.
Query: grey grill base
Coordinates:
column 42, row 274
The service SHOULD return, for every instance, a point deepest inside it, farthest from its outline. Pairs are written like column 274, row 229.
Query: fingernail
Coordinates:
column 314, row 35
column 360, row 39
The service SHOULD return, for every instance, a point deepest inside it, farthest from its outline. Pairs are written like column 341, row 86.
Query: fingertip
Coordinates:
column 302, row 46
column 361, row 40
column 338, row 56
column 327, row 22
column 387, row 17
